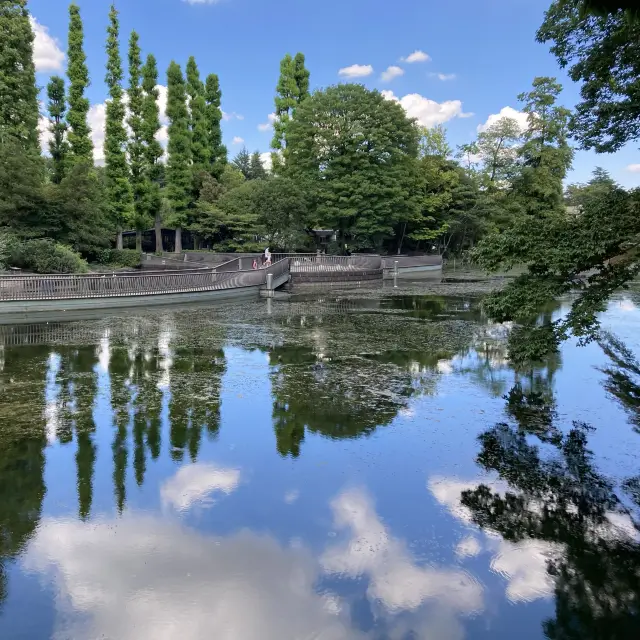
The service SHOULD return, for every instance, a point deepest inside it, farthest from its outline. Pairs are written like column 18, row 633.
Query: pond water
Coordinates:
column 336, row 464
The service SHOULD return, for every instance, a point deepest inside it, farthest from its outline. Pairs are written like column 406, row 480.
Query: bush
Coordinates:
column 46, row 256
column 119, row 258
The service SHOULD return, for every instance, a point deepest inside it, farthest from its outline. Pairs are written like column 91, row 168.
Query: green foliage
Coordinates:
column 18, row 91
column 356, row 153
column 256, row 168
column 292, row 90
column 217, row 151
column 123, row 258
column 153, row 149
column 242, row 162
column 249, row 164
column 45, row 256
column 78, row 206
column 179, row 175
column 200, row 142
column 231, row 178
column 120, row 198
column 79, row 134
column 592, row 254
column 139, row 173
column 602, row 53
column 58, row 145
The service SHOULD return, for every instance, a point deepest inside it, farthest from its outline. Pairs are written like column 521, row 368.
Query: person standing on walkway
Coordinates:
column 267, row 257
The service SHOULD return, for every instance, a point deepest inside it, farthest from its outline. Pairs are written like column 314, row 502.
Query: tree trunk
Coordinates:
column 158, row 227
column 196, row 242
column 139, row 241
column 178, row 247
column 119, row 244
column 404, row 230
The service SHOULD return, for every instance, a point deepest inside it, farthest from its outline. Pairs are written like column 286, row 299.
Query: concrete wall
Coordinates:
column 21, row 308
column 336, row 276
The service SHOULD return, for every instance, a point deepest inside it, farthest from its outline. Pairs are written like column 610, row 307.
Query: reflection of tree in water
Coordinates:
column 23, row 372
column 563, row 499
column 78, row 383
column 196, row 376
column 344, row 398
column 623, row 377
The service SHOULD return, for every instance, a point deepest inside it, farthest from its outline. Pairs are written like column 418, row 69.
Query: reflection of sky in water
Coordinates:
column 356, row 537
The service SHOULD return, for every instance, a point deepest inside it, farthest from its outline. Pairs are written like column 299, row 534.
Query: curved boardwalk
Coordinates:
column 184, row 281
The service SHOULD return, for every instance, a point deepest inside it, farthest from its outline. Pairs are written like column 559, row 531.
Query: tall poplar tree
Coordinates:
column 18, row 91
column 120, row 198
column 200, row 147
column 292, row 90
column 153, row 148
column 79, row 134
column 218, row 152
column 179, row 174
column 58, row 145
column 136, row 146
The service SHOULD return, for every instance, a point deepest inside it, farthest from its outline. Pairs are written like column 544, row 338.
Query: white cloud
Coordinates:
column 265, row 126
column 195, row 483
column 428, row 113
column 443, row 76
column 140, row 576
column 97, row 120
column 391, row 73
column 506, row 112
column 396, row 580
column 230, row 116
column 267, row 160
column 237, row 140
column 356, row 71
column 291, row 496
column 468, row 547
column 47, row 54
column 634, row 168
column 416, row 56
column 522, row 564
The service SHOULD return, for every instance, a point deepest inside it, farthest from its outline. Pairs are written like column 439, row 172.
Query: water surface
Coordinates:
column 337, row 464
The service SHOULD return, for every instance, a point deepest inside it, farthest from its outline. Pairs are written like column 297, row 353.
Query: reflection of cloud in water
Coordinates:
column 626, row 304
column 395, row 579
column 468, row 547
column 196, row 483
column 141, row 577
column 523, row 564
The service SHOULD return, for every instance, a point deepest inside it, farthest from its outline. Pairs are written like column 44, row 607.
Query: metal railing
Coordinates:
column 313, row 263
column 60, row 287
column 411, row 261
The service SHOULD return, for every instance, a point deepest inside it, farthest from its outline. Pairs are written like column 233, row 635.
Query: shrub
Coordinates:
column 46, row 256
column 119, row 258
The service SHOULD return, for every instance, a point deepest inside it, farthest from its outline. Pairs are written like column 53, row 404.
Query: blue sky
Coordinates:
column 481, row 54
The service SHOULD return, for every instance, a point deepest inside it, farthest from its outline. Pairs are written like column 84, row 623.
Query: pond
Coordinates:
column 334, row 464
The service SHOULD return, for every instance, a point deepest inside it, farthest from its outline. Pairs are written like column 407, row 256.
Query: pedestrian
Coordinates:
column 267, row 257
column 254, row 266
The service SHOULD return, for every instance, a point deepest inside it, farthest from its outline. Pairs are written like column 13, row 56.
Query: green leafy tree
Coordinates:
column 23, row 205
column 179, row 174
column 217, row 151
column 356, row 153
column 18, row 90
column 256, row 168
column 200, row 143
column 58, row 145
column 140, row 183
column 120, row 198
column 292, row 90
column 80, row 212
column 242, row 162
column 497, row 146
column 601, row 52
column 79, row 134
column 153, row 149
column 231, row 178
column 545, row 156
